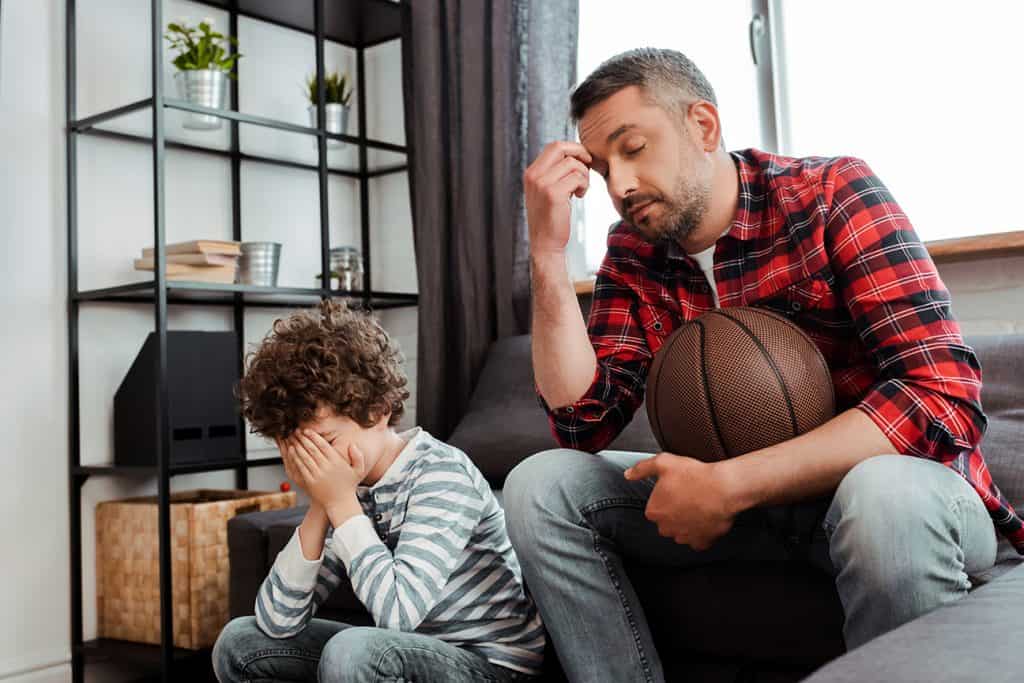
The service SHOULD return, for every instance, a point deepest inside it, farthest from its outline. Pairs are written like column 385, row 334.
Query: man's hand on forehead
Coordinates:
column 556, row 151
column 561, row 170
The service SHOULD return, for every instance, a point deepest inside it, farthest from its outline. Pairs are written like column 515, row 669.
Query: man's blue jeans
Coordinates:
column 333, row 652
column 901, row 536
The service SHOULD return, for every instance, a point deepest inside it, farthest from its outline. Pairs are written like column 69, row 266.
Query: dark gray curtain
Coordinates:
column 486, row 86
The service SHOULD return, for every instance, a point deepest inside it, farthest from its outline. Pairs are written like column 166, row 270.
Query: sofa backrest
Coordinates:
column 1002, row 397
column 506, row 423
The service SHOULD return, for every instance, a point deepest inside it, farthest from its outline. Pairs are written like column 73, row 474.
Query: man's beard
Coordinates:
column 684, row 212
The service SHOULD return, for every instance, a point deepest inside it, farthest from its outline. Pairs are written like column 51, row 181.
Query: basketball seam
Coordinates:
column 707, row 392
column 666, row 348
column 810, row 342
column 774, row 367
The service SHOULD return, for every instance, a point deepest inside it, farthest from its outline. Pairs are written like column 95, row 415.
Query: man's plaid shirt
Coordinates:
column 822, row 242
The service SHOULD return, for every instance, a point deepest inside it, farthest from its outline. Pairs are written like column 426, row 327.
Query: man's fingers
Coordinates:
column 562, row 169
column 558, row 150
column 567, row 168
column 575, row 183
column 550, row 183
column 554, row 153
column 645, row 468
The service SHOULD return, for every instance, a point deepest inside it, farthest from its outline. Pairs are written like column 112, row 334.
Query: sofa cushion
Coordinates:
column 975, row 639
column 506, row 423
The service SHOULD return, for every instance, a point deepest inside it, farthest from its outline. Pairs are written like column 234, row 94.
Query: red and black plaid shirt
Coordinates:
column 822, row 242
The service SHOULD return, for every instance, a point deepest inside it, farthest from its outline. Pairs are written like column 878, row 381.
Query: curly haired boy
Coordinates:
column 412, row 524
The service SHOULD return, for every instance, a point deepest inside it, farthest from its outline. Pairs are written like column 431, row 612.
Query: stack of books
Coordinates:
column 196, row 261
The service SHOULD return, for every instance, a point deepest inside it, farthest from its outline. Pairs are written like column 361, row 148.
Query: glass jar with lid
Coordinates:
column 346, row 269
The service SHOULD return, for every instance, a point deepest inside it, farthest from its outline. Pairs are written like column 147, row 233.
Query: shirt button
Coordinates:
column 378, row 516
column 796, row 306
column 705, row 288
column 657, row 326
column 570, row 409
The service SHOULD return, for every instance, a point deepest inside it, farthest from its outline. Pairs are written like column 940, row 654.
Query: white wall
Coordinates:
column 988, row 295
column 115, row 222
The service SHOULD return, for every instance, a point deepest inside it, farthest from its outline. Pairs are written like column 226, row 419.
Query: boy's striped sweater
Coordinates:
column 430, row 555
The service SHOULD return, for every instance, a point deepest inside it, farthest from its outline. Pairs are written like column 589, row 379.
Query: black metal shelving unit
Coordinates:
column 358, row 24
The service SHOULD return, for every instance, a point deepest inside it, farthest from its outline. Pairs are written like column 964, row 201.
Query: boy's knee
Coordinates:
column 232, row 644
column 354, row 655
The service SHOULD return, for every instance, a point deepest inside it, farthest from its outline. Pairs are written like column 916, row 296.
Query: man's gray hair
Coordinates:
column 668, row 77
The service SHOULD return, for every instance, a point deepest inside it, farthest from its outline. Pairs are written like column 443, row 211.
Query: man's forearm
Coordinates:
column 808, row 466
column 563, row 358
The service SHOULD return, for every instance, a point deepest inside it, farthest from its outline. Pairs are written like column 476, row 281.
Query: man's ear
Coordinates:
column 704, row 115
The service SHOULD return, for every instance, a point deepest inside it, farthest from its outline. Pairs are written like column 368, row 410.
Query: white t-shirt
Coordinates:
column 706, row 259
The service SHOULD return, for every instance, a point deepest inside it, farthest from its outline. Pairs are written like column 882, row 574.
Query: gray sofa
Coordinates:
column 765, row 621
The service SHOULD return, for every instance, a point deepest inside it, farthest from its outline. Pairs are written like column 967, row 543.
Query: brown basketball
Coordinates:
column 735, row 380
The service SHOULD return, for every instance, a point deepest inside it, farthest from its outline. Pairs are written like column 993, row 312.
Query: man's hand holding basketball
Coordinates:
column 692, row 501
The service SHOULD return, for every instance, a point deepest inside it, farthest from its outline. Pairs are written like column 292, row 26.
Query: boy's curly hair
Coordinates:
column 332, row 356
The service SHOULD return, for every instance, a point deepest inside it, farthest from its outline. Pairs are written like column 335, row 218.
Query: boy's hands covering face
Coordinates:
column 284, row 447
column 317, row 467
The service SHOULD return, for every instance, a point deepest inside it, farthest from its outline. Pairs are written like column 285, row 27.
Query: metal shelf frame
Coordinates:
column 359, row 24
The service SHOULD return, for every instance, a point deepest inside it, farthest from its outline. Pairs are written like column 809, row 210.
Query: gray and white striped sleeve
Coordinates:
column 399, row 589
column 295, row 588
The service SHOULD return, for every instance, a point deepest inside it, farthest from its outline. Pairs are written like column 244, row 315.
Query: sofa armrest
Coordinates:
column 976, row 638
column 248, row 554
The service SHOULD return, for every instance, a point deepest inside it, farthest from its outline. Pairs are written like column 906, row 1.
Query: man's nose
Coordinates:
column 620, row 185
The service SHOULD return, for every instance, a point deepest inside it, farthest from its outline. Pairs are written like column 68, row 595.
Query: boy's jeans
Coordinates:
column 333, row 652
column 901, row 535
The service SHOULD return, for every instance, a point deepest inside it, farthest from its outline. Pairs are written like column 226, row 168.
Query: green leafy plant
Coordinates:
column 336, row 89
column 201, row 47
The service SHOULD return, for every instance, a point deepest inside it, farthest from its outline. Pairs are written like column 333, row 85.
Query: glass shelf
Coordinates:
column 182, row 292
column 151, row 470
column 133, row 123
column 355, row 23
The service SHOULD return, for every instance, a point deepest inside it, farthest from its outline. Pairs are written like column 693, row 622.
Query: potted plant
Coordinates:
column 204, row 65
column 337, row 94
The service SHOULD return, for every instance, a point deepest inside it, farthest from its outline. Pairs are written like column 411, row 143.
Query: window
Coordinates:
column 928, row 94
column 713, row 35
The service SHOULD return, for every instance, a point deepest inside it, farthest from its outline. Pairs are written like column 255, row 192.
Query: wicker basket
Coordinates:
column 128, row 567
